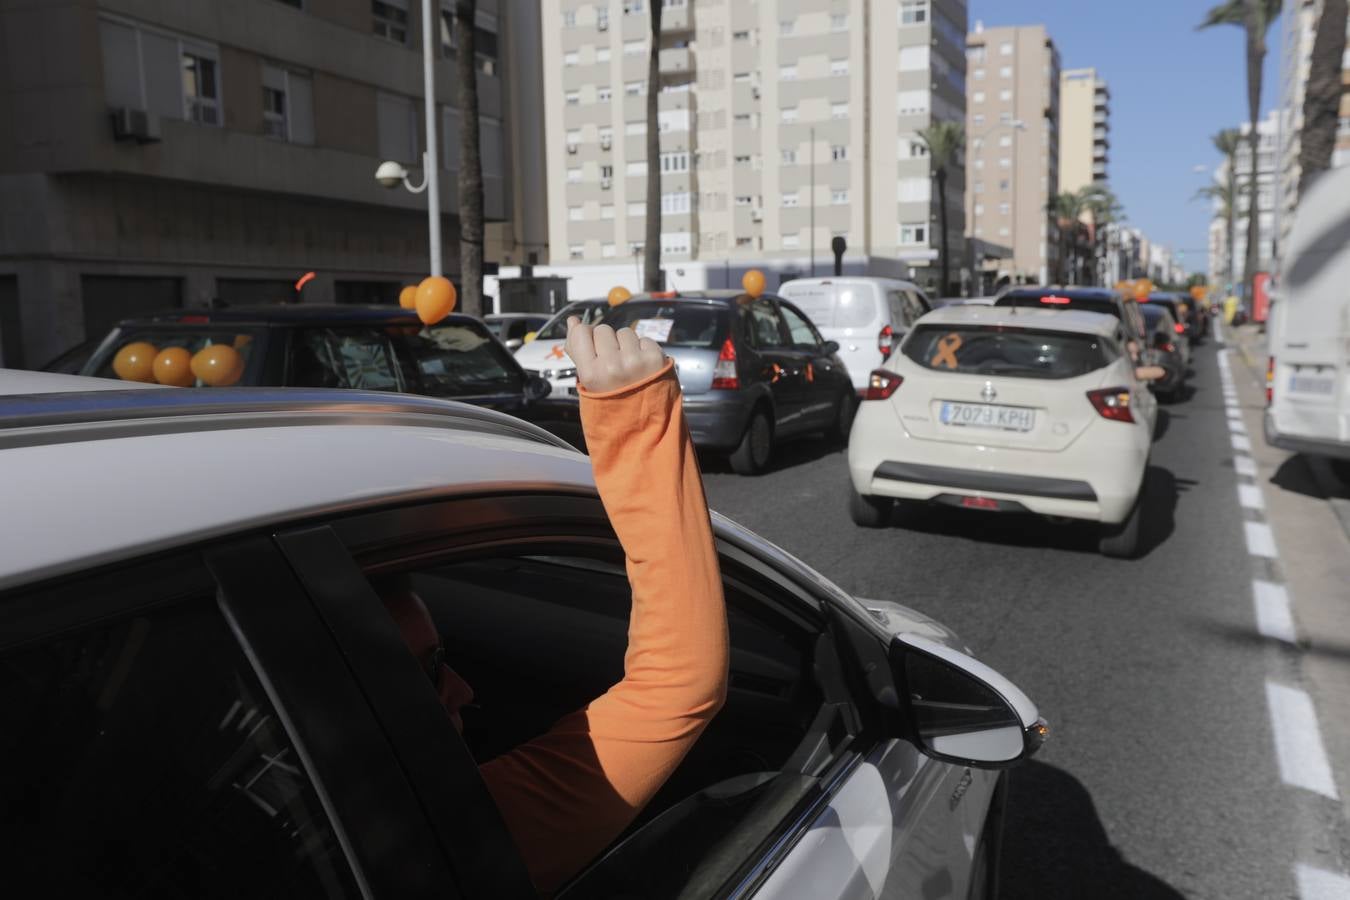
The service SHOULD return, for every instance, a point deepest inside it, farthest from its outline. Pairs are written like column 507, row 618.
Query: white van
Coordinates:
column 866, row 316
column 1308, row 374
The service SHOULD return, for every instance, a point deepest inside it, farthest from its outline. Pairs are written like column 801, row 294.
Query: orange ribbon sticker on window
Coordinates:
column 777, row 374
column 810, row 373
column 948, row 344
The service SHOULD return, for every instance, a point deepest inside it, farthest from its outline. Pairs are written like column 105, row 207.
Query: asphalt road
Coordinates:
column 1160, row 779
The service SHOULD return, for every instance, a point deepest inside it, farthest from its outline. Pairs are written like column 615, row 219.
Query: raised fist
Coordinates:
column 607, row 359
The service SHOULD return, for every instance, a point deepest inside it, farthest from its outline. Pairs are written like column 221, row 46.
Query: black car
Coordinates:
column 1189, row 314
column 378, row 348
column 754, row 370
column 1091, row 299
column 1165, row 349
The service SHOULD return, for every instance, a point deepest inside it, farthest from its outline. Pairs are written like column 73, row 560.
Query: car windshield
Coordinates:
column 1152, row 314
column 835, row 305
column 556, row 329
column 673, row 324
column 997, row 350
column 1052, row 300
column 127, row 355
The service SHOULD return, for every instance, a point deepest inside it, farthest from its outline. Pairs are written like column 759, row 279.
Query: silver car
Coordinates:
column 204, row 694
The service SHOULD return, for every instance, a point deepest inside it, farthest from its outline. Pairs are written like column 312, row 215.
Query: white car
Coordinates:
column 867, row 317
column 543, row 355
column 1009, row 410
column 203, row 687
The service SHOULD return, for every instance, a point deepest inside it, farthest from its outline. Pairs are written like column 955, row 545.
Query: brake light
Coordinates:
column 194, row 320
column 881, row 384
column 1179, row 328
column 724, row 373
column 1170, row 348
column 663, row 295
column 1056, row 301
column 886, row 342
column 979, row 503
column 1112, row 403
column 1270, row 380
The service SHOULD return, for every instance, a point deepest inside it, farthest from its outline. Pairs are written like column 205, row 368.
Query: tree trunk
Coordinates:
column 1322, row 99
column 945, row 289
column 1232, row 219
column 1256, row 53
column 651, row 269
column 470, row 180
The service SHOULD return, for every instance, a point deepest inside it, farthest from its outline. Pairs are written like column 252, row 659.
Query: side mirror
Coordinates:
column 1149, row 373
column 514, row 344
column 537, row 388
column 959, row 709
column 829, row 348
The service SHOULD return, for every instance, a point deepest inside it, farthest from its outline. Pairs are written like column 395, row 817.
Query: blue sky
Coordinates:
column 1171, row 88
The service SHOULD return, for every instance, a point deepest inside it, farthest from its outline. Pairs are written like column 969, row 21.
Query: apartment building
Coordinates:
column 1012, row 150
column 1084, row 129
column 1222, row 268
column 194, row 152
column 783, row 126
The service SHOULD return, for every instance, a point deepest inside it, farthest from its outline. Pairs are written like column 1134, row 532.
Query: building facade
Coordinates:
column 1084, row 129
column 783, row 126
column 195, row 152
column 1012, row 149
column 1226, row 269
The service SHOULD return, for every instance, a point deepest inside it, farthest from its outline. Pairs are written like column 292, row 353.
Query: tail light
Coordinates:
column 1112, row 403
column 881, row 384
column 724, row 373
column 1270, row 380
column 1170, row 348
column 1179, row 328
column 194, row 319
column 1052, row 300
column 886, row 342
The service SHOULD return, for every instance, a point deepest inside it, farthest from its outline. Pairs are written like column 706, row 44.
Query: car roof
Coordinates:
column 1075, row 320
column 518, row 315
column 292, row 314
column 715, row 295
column 1070, row 291
column 18, row 381
column 113, row 472
column 850, row 280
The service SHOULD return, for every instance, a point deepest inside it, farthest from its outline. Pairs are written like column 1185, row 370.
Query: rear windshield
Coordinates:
column 996, row 350
column 1152, row 314
column 447, row 360
column 835, row 306
column 1051, row 300
column 556, row 329
column 680, row 324
column 119, row 362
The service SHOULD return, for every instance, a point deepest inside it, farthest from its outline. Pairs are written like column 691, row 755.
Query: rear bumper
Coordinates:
column 716, row 419
column 987, row 482
column 1308, row 445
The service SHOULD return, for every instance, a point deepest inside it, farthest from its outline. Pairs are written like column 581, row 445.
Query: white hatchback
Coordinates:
column 1008, row 410
column 543, row 354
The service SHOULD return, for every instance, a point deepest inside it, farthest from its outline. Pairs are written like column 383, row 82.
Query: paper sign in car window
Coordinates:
column 656, row 329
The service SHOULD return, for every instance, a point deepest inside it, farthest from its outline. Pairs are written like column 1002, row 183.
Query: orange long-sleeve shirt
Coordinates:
column 568, row 793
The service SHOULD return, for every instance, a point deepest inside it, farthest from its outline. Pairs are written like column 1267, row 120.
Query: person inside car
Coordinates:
column 567, row 794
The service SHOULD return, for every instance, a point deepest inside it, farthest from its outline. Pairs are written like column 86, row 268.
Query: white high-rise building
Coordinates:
column 1222, row 269
column 783, row 125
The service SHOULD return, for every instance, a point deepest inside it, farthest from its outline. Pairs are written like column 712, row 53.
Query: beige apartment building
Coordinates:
column 1084, row 129
column 1012, row 151
column 783, row 125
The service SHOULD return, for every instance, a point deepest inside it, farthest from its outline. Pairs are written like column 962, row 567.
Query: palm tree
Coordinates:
column 1065, row 208
column 1224, row 193
column 1227, row 142
column 652, row 250
column 1322, row 97
column 945, row 142
column 1105, row 208
column 470, row 178
column 1255, row 18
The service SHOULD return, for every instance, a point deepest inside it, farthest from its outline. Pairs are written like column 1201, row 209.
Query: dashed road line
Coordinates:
column 1249, row 496
column 1298, row 740
column 1260, row 539
column 1319, row 884
column 1273, row 618
column 1244, row 465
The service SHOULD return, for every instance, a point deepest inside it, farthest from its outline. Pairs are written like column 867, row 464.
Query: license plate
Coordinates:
column 1309, row 384
column 987, row 415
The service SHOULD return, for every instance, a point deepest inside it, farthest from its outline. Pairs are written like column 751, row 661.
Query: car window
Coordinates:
column 834, row 305
column 360, row 357
column 680, row 324
column 141, row 757
column 456, row 359
column 556, row 328
column 802, row 332
column 765, row 327
column 72, row 361
column 899, row 310
column 998, row 350
column 239, row 342
column 917, row 304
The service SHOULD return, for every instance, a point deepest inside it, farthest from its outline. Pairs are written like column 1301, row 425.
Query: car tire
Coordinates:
column 869, row 511
column 843, row 419
column 1123, row 541
column 751, row 456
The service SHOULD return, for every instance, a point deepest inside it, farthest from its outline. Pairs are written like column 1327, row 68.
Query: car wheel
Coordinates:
column 869, row 511
column 846, row 408
column 752, row 454
column 1123, row 541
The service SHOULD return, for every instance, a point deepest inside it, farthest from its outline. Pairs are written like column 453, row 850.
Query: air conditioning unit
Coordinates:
column 602, row 25
column 756, row 215
column 135, row 125
column 606, row 183
column 572, row 149
column 606, row 142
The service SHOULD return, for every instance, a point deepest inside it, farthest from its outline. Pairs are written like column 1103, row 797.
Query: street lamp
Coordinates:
column 391, row 174
column 1016, row 125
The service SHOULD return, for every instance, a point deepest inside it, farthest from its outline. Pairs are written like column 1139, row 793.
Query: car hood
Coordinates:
column 540, row 354
column 899, row 619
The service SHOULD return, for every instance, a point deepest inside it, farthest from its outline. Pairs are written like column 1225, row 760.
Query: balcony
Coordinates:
column 1099, row 117
column 676, row 61
column 1099, row 134
column 676, row 19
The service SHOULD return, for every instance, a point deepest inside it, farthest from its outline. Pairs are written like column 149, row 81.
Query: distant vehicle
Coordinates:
column 944, row 302
column 1088, row 299
column 1308, row 373
column 1009, row 410
column 1166, row 347
column 1185, row 312
column 511, row 328
column 72, row 361
column 754, row 370
column 198, row 669
column 545, row 356
column 867, row 317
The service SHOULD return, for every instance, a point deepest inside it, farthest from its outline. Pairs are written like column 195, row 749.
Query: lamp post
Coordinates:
column 391, row 174
column 1016, row 125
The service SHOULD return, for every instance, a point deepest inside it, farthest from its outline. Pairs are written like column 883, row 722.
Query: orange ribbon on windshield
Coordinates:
column 556, row 352
column 946, row 356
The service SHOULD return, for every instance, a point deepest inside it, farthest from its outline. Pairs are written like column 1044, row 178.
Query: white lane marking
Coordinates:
column 1298, row 740
column 1319, row 884
column 1249, row 497
column 1241, row 443
column 1273, row 618
column 1260, row 539
column 1237, row 427
column 1244, row 465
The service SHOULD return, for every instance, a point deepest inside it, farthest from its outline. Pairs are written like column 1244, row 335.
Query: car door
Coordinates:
column 824, row 384
column 778, row 367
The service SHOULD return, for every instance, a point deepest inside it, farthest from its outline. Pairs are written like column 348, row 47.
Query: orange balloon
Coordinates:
column 1142, row 288
column 619, row 295
column 435, row 299
column 136, row 362
column 242, row 340
column 407, row 298
column 753, row 282
column 173, row 366
column 218, row 365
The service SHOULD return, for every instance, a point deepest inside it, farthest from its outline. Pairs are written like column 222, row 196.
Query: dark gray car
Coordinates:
column 754, row 370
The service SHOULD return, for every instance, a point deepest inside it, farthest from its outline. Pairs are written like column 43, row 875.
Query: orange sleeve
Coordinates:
column 567, row 794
